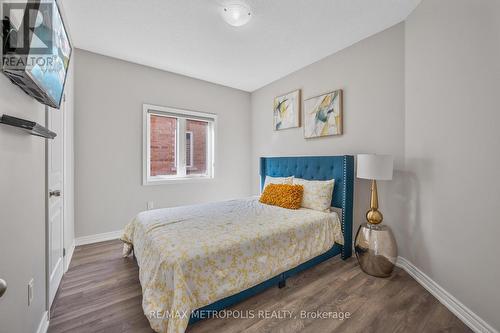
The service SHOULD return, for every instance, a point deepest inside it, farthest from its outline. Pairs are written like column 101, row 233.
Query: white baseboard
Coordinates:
column 69, row 256
column 44, row 323
column 98, row 238
column 461, row 311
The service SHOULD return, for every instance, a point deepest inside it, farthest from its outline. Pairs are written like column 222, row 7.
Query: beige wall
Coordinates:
column 452, row 149
column 371, row 73
column 108, row 140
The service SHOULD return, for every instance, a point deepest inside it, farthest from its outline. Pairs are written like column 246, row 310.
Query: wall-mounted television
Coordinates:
column 36, row 49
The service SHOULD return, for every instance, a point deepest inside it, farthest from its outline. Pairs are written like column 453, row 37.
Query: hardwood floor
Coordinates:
column 101, row 293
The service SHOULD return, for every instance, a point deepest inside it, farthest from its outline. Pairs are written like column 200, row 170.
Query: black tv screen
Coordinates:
column 36, row 49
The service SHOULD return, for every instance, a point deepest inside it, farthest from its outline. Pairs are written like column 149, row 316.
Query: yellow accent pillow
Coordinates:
column 283, row 195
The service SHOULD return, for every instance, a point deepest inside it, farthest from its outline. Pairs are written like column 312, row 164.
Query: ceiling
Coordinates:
column 189, row 37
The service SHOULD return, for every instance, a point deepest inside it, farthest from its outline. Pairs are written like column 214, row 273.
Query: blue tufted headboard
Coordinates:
column 340, row 168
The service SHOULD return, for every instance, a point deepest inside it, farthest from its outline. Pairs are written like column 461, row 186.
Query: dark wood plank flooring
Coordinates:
column 101, row 293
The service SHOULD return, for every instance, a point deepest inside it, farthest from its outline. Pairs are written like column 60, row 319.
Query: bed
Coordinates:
column 195, row 260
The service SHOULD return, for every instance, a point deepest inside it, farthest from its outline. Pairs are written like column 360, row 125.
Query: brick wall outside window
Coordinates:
column 163, row 133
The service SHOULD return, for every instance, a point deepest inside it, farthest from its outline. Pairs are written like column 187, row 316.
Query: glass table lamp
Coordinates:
column 375, row 245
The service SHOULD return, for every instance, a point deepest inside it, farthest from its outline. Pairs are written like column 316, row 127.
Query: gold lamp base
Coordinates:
column 373, row 216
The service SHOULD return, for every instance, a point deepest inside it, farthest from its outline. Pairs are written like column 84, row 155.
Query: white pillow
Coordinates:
column 317, row 193
column 278, row 180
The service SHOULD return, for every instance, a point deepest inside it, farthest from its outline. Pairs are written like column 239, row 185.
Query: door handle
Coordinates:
column 3, row 287
column 55, row 193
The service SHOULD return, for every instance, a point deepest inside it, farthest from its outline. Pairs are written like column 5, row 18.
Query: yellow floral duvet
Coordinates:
column 192, row 256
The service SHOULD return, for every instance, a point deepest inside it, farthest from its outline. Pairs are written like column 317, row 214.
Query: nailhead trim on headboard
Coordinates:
column 344, row 190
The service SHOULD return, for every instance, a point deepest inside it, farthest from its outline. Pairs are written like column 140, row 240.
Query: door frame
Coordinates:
column 47, row 236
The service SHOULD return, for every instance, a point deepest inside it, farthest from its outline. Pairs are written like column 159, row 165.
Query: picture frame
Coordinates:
column 323, row 115
column 286, row 110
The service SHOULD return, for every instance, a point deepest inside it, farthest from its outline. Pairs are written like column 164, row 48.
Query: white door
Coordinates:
column 55, row 216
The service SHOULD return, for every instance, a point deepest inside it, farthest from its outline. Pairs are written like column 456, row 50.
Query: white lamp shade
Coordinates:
column 377, row 167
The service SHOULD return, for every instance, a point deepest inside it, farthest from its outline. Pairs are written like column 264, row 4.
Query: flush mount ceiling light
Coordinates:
column 236, row 14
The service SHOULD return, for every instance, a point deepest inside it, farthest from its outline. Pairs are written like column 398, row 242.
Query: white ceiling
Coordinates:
column 189, row 37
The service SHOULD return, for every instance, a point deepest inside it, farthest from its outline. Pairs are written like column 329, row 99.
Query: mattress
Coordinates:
column 192, row 256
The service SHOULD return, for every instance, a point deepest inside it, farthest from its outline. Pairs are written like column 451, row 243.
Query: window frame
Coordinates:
column 191, row 148
column 180, row 154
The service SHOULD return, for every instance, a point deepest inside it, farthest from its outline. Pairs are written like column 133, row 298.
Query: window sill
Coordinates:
column 176, row 180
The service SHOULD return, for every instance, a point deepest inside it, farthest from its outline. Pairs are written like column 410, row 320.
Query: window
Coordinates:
column 178, row 145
